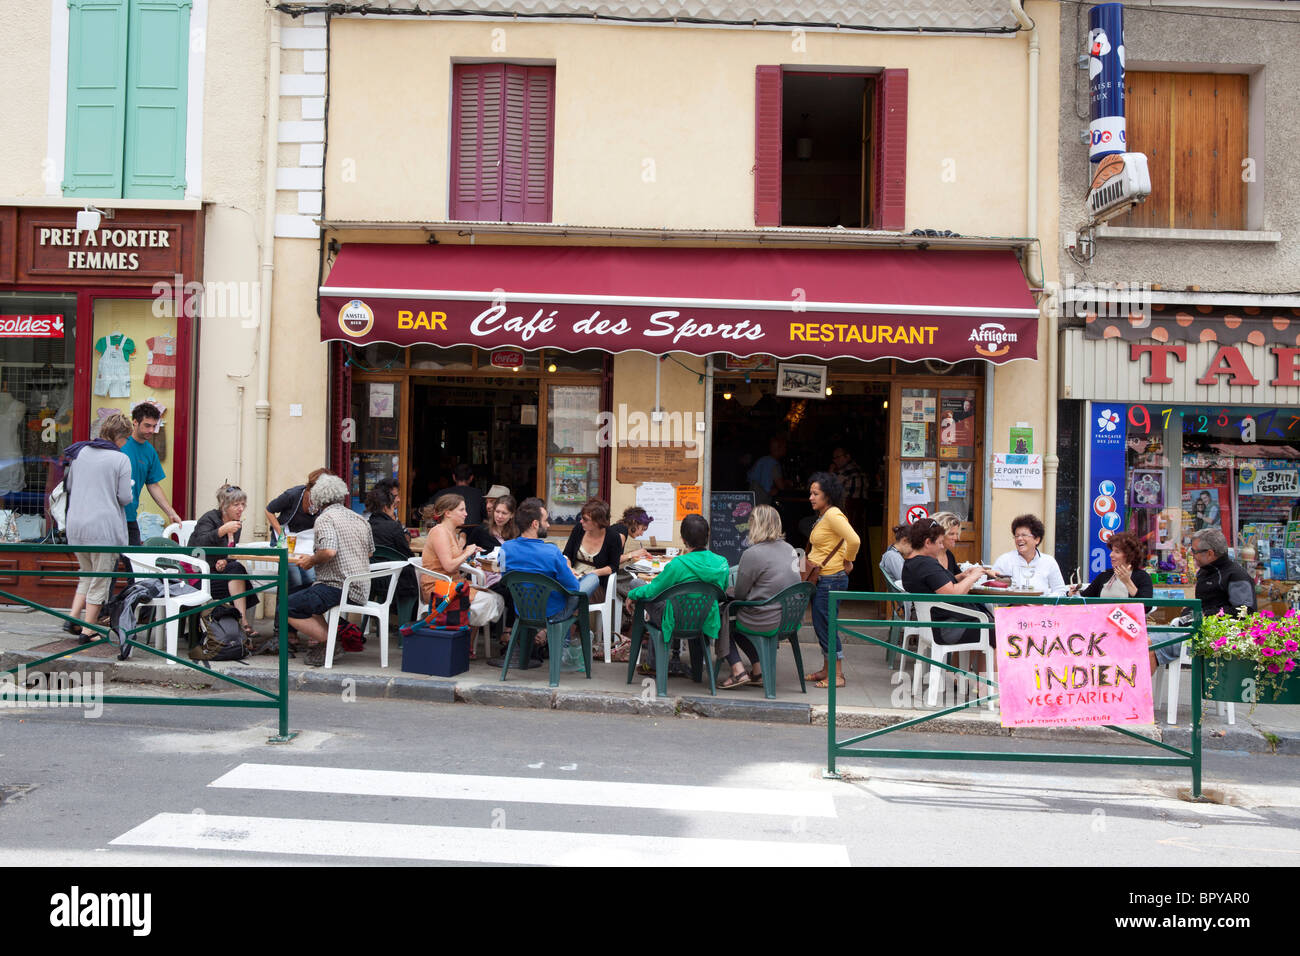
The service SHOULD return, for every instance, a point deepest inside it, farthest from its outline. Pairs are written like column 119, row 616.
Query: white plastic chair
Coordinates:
column 180, row 533
column 422, row 606
column 1173, row 674
column 610, row 613
column 173, row 603
column 375, row 609
column 924, row 631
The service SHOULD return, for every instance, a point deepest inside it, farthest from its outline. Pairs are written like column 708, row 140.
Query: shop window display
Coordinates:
column 1234, row 469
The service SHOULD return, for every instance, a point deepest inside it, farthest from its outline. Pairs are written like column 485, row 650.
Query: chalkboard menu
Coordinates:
column 729, row 513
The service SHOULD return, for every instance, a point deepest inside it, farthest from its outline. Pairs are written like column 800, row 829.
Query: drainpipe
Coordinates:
column 1050, row 460
column 262, row 407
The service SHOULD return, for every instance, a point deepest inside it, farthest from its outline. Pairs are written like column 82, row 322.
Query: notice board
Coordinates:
column 673, row 464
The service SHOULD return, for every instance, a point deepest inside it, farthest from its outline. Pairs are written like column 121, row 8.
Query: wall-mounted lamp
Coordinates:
column 726, row 396
column 551, row 367
column 885, row 404
column 88, row 219
column 829, row 391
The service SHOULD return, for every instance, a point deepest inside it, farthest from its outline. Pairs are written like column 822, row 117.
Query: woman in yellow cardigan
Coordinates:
column 832, row 545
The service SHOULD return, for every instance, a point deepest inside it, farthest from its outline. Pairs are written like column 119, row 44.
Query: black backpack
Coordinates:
column 223, row 638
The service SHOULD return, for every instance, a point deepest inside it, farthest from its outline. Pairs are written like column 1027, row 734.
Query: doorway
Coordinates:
column 748, row 414
column 489, row 423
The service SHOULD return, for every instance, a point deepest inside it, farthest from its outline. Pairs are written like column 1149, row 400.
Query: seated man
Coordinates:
column 696, row 563
column 343, row 546
column 531, row 552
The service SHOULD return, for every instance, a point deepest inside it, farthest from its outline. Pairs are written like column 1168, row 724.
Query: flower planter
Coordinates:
column 1225, row 680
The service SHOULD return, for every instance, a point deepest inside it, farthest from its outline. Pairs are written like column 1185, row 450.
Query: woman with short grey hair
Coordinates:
column 767, row 567
column 221, row 528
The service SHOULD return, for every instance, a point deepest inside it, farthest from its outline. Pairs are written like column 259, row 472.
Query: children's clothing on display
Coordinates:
column 160, row 367
column 114, row 377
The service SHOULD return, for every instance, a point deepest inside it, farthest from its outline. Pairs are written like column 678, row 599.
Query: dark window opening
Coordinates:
column 827, row 142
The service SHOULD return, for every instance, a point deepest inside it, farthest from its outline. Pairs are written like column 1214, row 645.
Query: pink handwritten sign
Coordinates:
column 1073, row 666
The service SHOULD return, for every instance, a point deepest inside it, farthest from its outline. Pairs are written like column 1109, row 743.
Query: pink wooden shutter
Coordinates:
column 527, row 143
column 767, row 147
column 476, row 141
column 891, row 153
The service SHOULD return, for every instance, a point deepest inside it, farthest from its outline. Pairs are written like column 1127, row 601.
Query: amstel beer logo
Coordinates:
column 356, row 318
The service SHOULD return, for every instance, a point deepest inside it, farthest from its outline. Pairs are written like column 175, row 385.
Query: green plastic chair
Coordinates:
column 530, row 594
column 793, row 602
column 691, row 603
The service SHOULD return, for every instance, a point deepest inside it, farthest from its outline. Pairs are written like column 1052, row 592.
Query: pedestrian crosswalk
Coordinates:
column 724, row 809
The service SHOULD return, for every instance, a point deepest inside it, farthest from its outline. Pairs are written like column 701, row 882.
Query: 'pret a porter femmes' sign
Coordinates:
column 114, row 248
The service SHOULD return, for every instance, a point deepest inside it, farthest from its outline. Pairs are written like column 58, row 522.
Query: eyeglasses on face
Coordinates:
column 1202, row 551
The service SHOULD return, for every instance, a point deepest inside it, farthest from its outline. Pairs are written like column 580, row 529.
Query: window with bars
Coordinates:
column 503, row 120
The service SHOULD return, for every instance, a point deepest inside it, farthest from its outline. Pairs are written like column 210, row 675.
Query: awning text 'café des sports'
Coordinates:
column 905, row 304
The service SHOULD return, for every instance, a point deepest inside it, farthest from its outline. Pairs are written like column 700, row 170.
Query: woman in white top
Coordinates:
column 1027, row 566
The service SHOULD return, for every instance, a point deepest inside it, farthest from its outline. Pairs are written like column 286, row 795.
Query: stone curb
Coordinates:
column 1218, row 736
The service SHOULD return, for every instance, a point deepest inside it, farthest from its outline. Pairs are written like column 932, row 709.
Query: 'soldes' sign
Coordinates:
column 1073, row 666
column 31, row 326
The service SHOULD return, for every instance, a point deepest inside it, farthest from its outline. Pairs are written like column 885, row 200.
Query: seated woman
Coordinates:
column 635, row 523
column 445, row 551
column 925, row 573
column 951, row 535
column 381, row 503
column 221, row 528
column 1026, row 565
column 496, row 530
column 1126, row 579
column 593, row 548
column 767, row 567
column 891, row 562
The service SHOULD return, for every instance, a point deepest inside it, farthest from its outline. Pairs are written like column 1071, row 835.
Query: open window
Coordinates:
column 830, row 148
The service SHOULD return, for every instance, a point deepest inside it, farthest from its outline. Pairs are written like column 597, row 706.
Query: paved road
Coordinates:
column 390, row 782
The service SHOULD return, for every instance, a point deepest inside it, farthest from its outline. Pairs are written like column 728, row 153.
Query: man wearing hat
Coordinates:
column 493, row 493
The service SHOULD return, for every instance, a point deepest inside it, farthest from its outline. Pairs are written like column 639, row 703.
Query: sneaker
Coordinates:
column 315, row 656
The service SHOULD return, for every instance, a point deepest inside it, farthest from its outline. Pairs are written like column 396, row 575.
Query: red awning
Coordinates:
column 907, row 304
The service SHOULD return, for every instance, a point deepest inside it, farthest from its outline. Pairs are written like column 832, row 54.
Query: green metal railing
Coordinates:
column 1191, row 758
column 276, row 581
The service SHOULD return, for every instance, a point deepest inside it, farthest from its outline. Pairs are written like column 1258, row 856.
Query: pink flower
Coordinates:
column 1274, row 669
column 1289, row 666
column 1265, row 613
column 1220, row 642
column 1292, row 646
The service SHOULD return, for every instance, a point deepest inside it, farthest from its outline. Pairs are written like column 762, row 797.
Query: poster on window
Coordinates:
column 381, row 399
column 918, row 409
column 569, row 480
column 1147, row 489
column 913, row 440
column 1205, row 509
column 956, row 423
column 917, row 480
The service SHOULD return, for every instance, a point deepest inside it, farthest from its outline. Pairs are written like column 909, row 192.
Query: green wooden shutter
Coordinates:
column 157, row 87
column 97, row 51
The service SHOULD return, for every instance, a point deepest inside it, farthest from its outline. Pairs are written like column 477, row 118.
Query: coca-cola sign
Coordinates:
column 31, row 326
column 507, row 358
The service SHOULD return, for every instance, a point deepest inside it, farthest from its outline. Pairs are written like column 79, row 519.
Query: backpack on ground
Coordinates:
column 223, row 638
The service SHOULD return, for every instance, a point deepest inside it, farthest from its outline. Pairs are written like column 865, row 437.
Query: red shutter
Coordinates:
column 767, row 147
column 476, row 141
column 891, row 154
column 527, row 151
column 340, row 410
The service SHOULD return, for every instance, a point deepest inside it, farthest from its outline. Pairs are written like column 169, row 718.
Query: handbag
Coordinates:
column 449, row 604
column 813, row 571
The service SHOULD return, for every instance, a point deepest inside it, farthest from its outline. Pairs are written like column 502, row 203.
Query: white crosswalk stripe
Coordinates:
column 292, row 836
column 584, row 793
column 465, row 844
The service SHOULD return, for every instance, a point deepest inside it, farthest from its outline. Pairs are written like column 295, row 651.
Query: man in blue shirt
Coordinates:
column 146, row 469
column 533, row 553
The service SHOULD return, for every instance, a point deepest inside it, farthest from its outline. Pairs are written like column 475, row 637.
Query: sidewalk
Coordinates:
column 875, row 695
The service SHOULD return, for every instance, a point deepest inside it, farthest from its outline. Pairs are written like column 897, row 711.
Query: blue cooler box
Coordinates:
column 436, row 651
